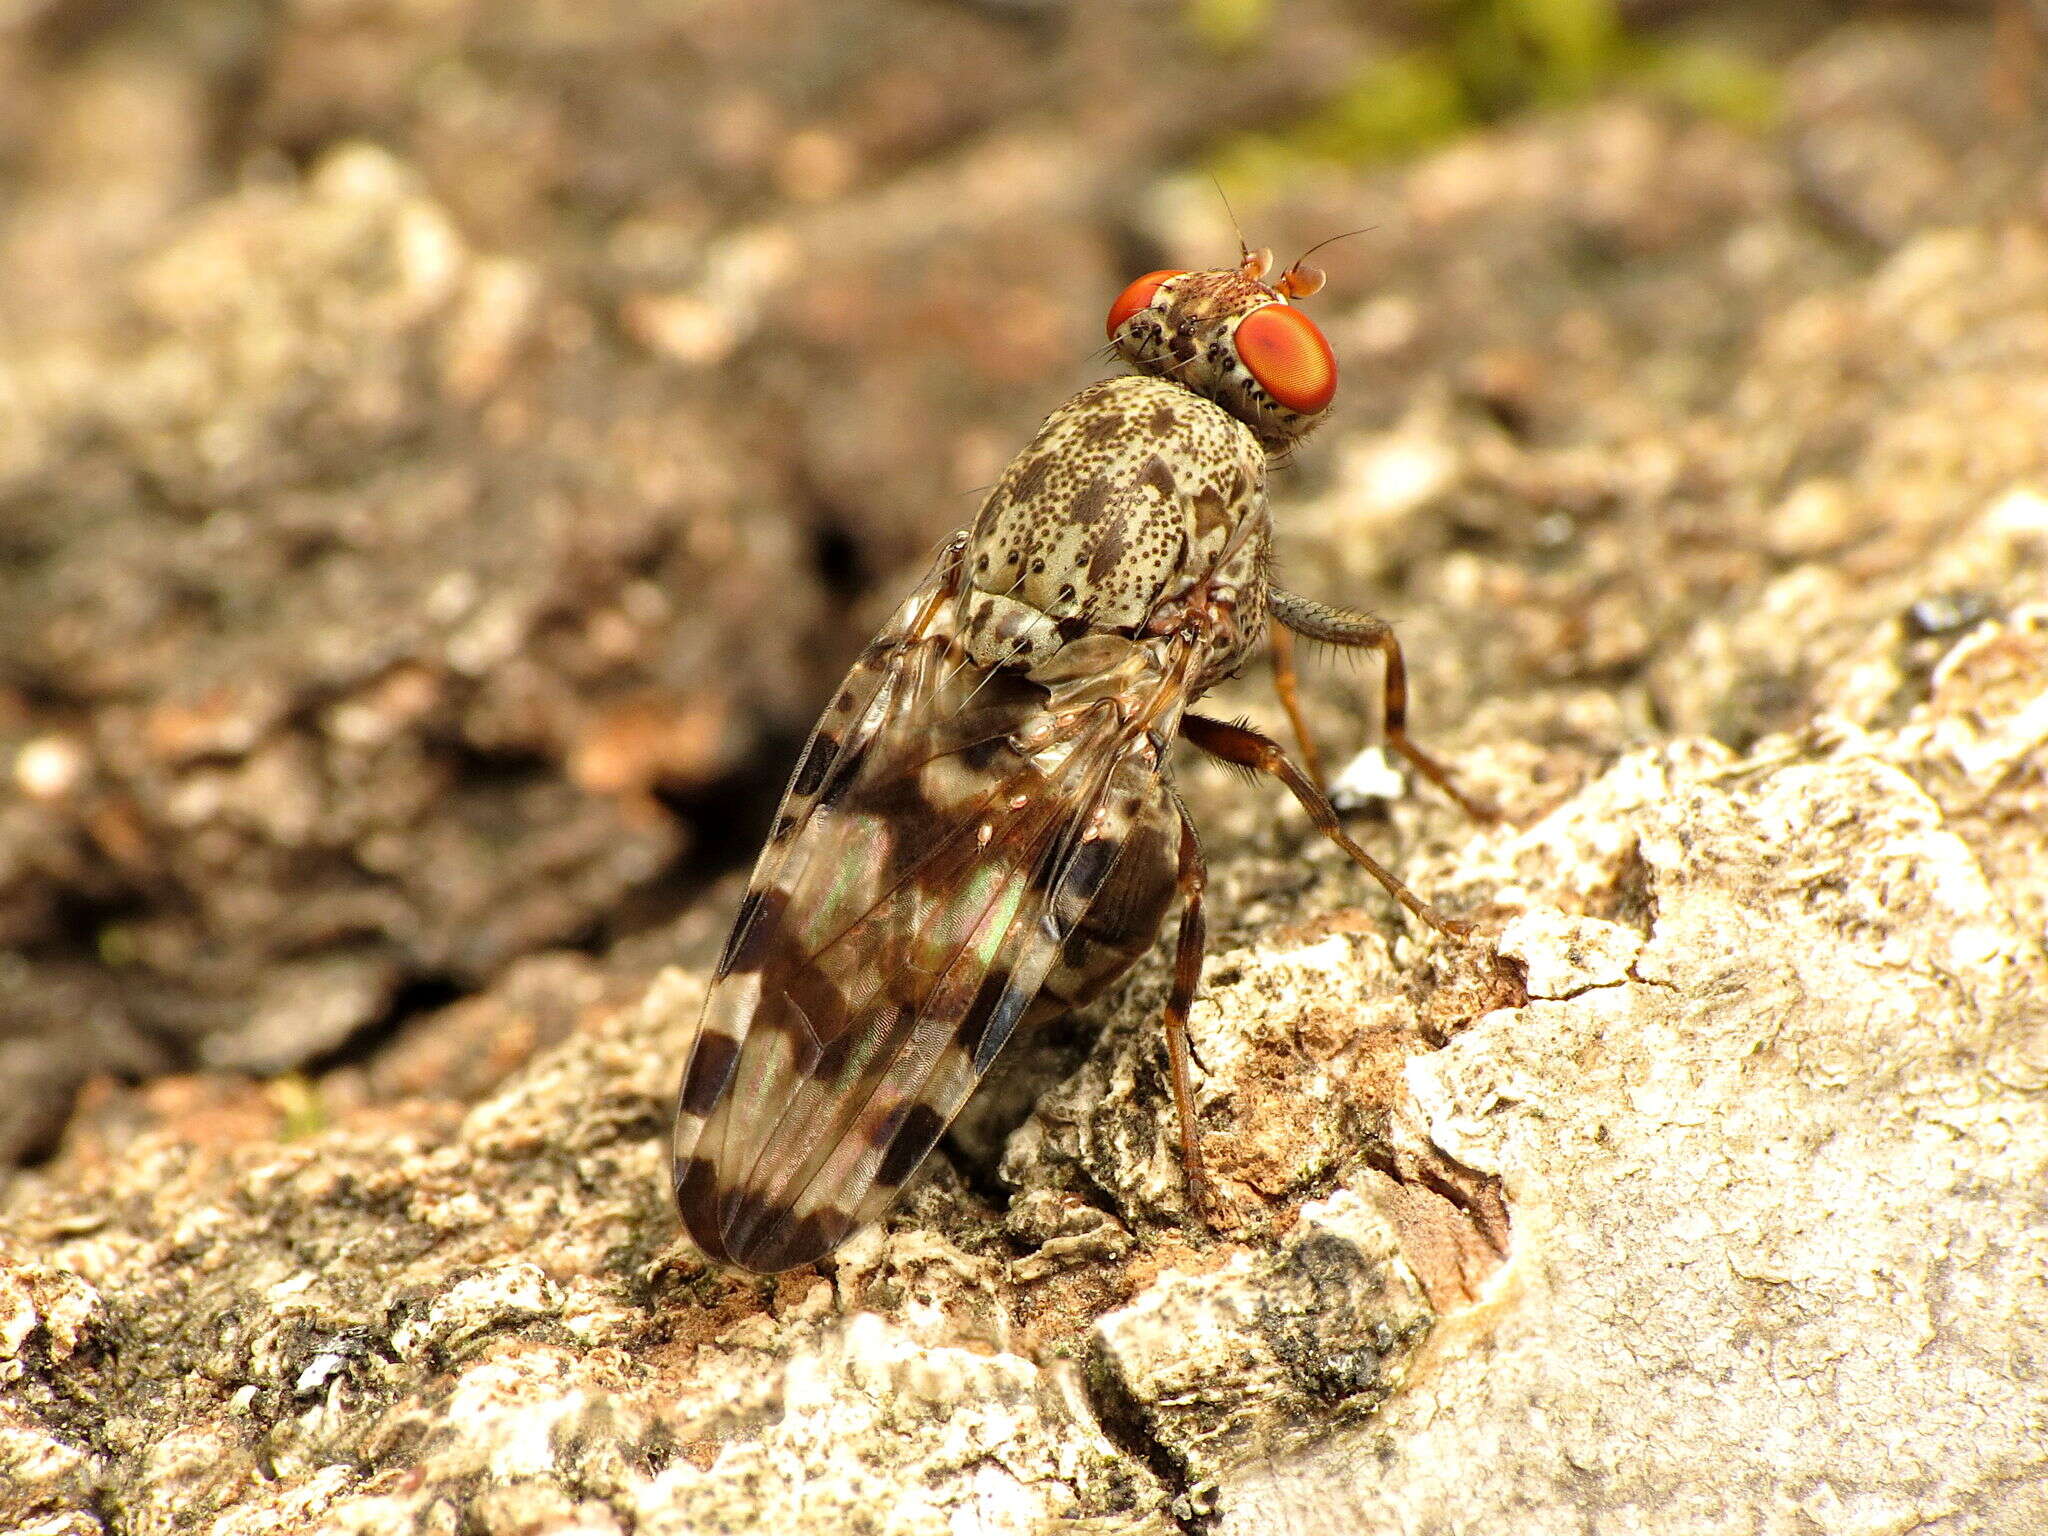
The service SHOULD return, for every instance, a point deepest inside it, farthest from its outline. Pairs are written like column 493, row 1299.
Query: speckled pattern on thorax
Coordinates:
column 1134, row 497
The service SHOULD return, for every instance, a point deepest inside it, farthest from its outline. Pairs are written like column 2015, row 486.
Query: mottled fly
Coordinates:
column 983, row 831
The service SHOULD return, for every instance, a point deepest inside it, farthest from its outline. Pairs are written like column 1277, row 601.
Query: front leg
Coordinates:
column 1362, row 631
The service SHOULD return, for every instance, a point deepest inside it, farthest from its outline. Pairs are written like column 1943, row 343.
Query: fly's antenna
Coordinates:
column 1304, row 256
column 1253, row 264
column 1244, row 252
column 1301, row 280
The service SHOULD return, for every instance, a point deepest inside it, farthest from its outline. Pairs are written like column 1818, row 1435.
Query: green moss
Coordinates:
column 1482, row 60
column 1718, row 82
column 1394, row 105
column 1227, row 25
column 116, row 945
column 298, row 1100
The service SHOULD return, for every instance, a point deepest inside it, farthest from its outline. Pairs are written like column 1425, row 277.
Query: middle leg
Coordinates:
column 1280, row 641
column 1244, row 746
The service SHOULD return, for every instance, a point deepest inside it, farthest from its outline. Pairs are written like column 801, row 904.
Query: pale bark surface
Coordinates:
column 442, row 464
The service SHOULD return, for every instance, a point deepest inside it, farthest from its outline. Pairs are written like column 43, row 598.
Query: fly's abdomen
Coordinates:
column 1122, row 923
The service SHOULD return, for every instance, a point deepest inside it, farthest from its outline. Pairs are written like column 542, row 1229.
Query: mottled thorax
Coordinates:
column 1135, row 493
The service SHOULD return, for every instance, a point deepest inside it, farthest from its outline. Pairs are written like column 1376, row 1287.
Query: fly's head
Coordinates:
column 1235, row 338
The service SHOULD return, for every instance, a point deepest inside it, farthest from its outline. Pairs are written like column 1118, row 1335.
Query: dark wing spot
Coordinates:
column 817, row 763
column 711, row 1067
column 829, row 1064
column 898, row 798
column 790, row 1243
column 996, row 1008
column 697, row 1198
column 761, row 942
column 825, row 1065
column 1162, row 421
column 753, row 930
column 1157, row 475
column 884, row 1130
column 794, row 978
column 753, row 1229
column 907, row 1148
column 1072, row 627
column 979, row 755
column 842, row 779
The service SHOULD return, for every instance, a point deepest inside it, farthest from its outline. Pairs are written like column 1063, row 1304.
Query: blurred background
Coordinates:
column 450, row 448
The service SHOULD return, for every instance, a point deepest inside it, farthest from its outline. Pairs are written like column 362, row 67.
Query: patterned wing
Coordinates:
column 920, row 885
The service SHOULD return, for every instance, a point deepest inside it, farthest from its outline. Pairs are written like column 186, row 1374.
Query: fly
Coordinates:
column 982, row 832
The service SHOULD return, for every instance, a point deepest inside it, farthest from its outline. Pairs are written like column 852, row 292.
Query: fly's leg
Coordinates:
column 1362, row 631
column 1193, row 879
column 1244, row 746
column 1281, row 639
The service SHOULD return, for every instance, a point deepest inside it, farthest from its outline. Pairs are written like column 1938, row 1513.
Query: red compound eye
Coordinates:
column 1136, row 297
column 1289, row 357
